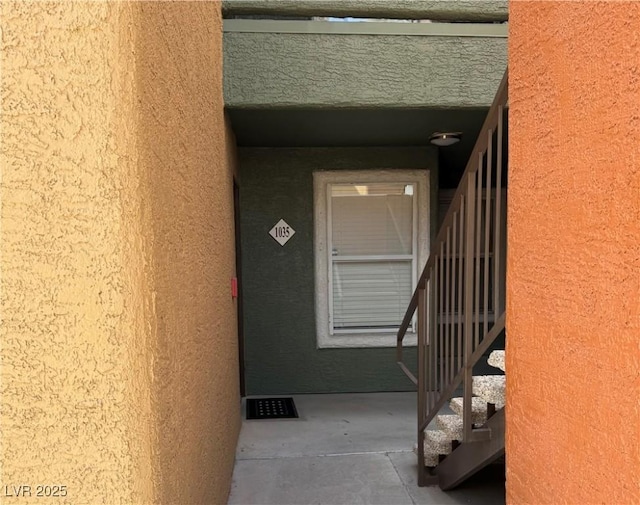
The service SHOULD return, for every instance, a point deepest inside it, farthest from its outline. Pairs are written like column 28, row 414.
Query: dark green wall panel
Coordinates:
column 278, row 282
column 328, row 71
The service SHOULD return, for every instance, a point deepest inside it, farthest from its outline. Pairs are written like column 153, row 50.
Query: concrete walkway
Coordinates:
column 344, row 449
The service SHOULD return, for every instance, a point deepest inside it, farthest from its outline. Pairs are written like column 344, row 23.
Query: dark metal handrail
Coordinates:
column 464, row 276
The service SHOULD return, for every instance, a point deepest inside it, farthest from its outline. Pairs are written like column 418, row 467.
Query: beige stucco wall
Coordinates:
column 183, row 145
column 118, row 360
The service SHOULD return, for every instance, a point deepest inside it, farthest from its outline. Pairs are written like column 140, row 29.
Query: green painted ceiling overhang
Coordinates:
column 321, row 64
column 322, row 84
column 361, row 128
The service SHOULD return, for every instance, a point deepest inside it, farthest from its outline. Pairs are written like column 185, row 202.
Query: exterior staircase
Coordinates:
column 459, row 304
column 488, row 401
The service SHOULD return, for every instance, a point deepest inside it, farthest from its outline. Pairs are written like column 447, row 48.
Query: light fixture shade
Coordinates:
column 445, row 139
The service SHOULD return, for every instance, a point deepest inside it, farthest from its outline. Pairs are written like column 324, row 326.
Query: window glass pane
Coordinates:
column 372, row 219
column 370, row 294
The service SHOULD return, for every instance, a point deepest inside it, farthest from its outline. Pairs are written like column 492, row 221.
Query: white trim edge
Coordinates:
column 480, row 30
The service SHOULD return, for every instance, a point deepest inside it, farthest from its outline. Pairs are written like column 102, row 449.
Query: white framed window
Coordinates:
column 371, row 243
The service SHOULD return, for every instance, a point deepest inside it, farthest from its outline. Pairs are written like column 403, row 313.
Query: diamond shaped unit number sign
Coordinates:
column 281, row 232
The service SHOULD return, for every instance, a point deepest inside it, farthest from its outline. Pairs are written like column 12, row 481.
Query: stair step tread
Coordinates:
column 429, row 459
column 490, row 388
column 497, row 360
column 451, row 424
column 478, row 409
column 437, row 441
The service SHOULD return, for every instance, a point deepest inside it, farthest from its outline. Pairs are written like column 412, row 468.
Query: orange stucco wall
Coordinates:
column 573, row 314
column 118, row 358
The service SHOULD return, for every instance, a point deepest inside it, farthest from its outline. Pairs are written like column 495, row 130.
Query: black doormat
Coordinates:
column 271, row 408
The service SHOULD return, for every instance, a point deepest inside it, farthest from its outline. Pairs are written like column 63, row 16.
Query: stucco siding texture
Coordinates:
column 183, row 145
column 74, row 404
column 573, row 314
column 92, row 362
column 276, row 70
column 281, row 353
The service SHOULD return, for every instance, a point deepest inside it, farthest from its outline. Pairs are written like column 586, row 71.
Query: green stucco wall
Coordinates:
column 316, row 70
column 278, row 282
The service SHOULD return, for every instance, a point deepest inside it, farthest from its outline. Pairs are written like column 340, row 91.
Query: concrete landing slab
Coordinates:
column 357, row 479
column 334, row 424
column 344, row 449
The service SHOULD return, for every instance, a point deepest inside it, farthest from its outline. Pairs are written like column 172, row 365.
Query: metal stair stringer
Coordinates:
column 470, row 457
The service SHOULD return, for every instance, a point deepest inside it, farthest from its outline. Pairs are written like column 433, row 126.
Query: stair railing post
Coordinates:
column 422, row 407
column 468, row 304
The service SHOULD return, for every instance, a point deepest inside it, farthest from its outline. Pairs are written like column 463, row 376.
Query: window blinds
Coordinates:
column 371, row 254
